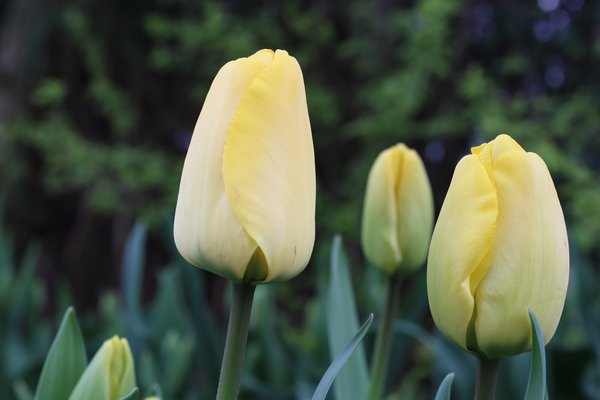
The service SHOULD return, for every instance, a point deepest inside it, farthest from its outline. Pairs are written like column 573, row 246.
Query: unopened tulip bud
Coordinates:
column 498, row 249
column 398, row 212
column 110, row 375
column 246, row 204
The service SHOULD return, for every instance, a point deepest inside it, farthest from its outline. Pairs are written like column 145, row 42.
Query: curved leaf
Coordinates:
column 133, row 395
column 536, row 387
column 445, row 388
column 340, row 360
column 342, row 321
column 65, row 362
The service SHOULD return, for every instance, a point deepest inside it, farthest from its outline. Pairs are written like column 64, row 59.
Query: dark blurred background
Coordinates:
column 98, row 100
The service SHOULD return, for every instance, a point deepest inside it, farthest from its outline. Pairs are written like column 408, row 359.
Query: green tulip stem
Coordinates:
column 235, row 343
column 487, row 376
column 383, row 341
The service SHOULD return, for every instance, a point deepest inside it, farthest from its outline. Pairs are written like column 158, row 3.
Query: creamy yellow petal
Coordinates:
column 415, row 209
column 379, row 232
column 501, row 144
column 530, row 263
column 462, row 238
column 123, row 368
column 269, row 168
column 207, row 234
column 110, row 375
column 489, row 152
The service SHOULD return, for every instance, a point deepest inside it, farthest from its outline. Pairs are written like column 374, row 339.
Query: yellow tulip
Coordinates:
column 398, row 212
column 498, row 248
column 246, row 204
column 110, row 375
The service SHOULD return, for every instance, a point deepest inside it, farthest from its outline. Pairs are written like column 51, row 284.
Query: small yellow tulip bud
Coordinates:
column 110, row 375
column 398, row 212
column 246, row 204
column 499, row 247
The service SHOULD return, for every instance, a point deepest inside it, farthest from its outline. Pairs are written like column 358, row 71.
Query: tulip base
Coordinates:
column 235, row 343
column 487, row 376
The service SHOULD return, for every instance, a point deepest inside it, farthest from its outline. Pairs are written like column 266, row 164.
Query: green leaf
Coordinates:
column 132, row 275
column 342, row 322
column 154, row 391
column 6, row 256
column 536, row 387
column 445, row 388
column 49, row 92
column 133, row 266
column 65, row 361
column 447, row 356
column 22, row 287
column 133, row 395
column 176, row 352
column 340, row 360
column 264, row 321
column 22, row 391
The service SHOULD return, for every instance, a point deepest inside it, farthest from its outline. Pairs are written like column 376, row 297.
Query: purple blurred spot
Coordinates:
column 543, row 30
column 560, row 19
column 554, row 76
column 574, row 5
column 435, row 151
column 548, row 5
column 483, row 13
column 533, row 85
column 483, row 25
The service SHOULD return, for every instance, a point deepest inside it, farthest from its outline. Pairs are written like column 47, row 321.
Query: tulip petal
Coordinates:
column 529, row 266
column 398, row 211
column 110, row 375
column 380, row 219
column 415, row 205
column 496, row 148
column 268, row 167
column 458, row 255
column 202, row 201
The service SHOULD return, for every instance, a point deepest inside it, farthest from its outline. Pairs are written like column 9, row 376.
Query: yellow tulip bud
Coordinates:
column 398, row 212
column 246, row 204
column 110, row 375
column 498, row 248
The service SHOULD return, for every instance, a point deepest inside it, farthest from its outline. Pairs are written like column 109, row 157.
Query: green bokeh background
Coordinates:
column 98, row 100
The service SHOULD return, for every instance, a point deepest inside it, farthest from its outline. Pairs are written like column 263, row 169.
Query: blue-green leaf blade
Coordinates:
column 337, row 364
column 342, row 321
column 536, row 387
column 132, row 275
column 445, row 388
column 133, row 395
column 65, row 362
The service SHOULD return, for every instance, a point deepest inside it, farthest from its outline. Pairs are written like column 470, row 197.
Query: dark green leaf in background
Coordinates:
column 65, row 362
column 132, row 277
column 342, row 323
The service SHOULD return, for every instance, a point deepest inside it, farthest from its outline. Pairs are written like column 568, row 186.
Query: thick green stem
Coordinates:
column 487, row 376
column 383, row 341
column 235, row 343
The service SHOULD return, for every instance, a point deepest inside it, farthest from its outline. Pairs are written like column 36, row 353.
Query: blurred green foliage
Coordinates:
column 105, row 98
column 24, row 339
column 97, row 104
column 178, row 344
